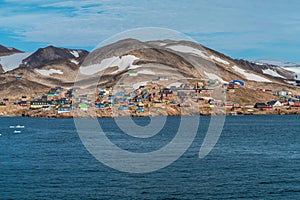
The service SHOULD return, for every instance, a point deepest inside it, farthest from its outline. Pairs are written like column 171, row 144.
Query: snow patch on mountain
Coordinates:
column 175, row 84
column 219, row 60
column 296, row 70
column 293, row 69
column 13, row 61
column 188, row 49
column 137, row 85
column 147, row 71
column 250, row 76
column 162, row 44
column 276, row 62
column 48, row 72
column 272, row 73
column 122, row 63
column 214, row 77
column 75, row 53
column 74, row 61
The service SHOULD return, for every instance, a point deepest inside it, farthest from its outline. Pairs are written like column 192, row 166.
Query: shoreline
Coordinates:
column 70, row 116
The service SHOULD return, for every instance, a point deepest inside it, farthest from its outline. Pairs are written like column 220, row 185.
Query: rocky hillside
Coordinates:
column 4, row 51
column 132, row 62
column 51, row 54
column 1, row 69
column 186, row 59
column 268, row 69
column 39, row 71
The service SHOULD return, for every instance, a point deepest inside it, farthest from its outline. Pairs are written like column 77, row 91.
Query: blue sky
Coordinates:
column 239, row 28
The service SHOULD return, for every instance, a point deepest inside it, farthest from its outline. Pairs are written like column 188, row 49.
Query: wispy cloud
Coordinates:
column 231, row 26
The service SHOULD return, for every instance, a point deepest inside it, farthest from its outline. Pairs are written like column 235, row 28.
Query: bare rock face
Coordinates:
column 51, row 54
column 260, row 67
column 131, row 63
column 5, row 51
column 1, row 69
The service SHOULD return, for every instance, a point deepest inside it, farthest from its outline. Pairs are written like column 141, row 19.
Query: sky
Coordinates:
column 256, row 29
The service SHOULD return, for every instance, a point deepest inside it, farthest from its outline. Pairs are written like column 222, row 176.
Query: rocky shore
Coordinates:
column 169, row 111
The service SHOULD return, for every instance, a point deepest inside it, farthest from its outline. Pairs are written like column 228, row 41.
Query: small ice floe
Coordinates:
column 16, row 131
column 17, row 126
column 0, row 134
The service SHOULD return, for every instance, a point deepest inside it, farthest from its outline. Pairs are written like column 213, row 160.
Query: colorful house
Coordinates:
column 38, row 104
column 260, row 105
column 275, row 103
column 123, row 108
column 238, row 82
column 2, row 105
column 159, row 104
column 22, row 103
column 83, row 106
column 140, row 109
column 100, row 106
column 133, row 73
column 64, row 110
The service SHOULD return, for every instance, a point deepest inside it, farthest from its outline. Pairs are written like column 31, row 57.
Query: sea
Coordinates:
column 256, row 157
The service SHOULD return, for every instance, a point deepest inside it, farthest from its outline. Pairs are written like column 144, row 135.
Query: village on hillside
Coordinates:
column 148, row 98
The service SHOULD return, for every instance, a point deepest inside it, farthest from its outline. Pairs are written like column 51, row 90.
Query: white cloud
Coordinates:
column 245, row 24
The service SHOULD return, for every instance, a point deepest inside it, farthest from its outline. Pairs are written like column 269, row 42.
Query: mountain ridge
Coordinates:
column 8, row 50
column 52, row 66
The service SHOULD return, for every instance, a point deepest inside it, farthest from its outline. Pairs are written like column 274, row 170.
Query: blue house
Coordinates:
column 239, row 82
column 131, row 104
column 64, row 110
column 100, row 105
column 140, row 109
column 120, row 94
column 111, row 97
column 123, row 108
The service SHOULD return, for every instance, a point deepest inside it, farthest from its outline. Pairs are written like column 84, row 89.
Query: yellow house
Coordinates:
column 38, row 105
column 159, row 104
column 200, row 84
column 2, row 105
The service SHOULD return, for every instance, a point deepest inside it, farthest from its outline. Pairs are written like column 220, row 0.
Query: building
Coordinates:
column 22, row 103
column 100, row 106
column 2, row 105
column 275, row 103
column 64, row 110
column 260, row 105
column 83, row 106
column 38, row 104
column 133, row 73
column 237, row 82
column 163, row 78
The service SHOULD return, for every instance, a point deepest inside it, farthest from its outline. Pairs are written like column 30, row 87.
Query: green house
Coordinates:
column 133, row 73
column 51, row 95
column 83, row 106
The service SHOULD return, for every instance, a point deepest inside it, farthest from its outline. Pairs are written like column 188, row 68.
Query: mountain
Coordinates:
column 4, row 51
column 267, row 69
column 47, row 67
column 13, row 61
column 188, row 58
column 133, row 63
column 279, row 63
column 1, row 69
column 51, row 54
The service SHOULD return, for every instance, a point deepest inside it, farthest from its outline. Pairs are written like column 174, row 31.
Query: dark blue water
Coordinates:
column 256, row 157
